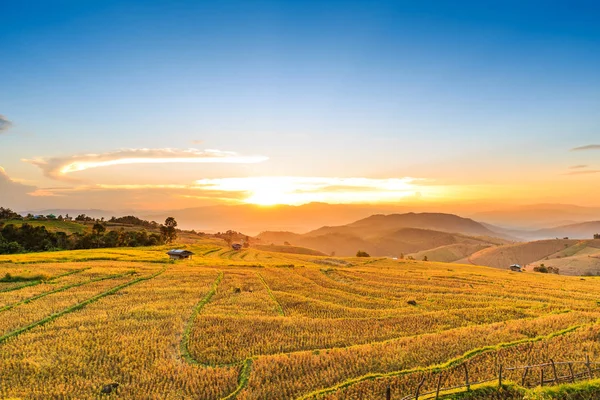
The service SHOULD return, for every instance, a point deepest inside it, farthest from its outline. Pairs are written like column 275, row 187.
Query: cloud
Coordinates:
column 4, row 124
column 301, row 190
column 587, row 147
column 267, row 190
column 578, row 166
column 13, row 193
column 585, row 172
column 59, row 167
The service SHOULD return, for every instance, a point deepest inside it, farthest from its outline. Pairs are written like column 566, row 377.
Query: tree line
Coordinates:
column 29, row 238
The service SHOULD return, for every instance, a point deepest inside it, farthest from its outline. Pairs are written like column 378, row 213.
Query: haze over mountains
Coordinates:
column 434, row 236
column 450, row 238
column 527, row 222
column 395, row 235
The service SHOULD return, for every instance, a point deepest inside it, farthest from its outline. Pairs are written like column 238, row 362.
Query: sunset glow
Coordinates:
column 268, row 191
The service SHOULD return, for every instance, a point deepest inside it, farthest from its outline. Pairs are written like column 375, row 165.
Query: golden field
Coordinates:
column 253, row 324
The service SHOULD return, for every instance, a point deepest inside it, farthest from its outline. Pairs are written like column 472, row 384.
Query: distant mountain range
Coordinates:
column 94, row 213
column 434, row 236
column 541, row 221
column 394, row 235
column 538, row 216
column 450, row 238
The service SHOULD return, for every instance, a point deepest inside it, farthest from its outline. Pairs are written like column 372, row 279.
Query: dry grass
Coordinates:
column 274, row 326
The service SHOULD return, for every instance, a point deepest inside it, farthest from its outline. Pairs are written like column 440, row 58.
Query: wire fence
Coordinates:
column 549, row 373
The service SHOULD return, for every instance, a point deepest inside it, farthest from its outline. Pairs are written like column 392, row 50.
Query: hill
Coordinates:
column 538, row 216
column 253, row 219
column 394, row 235
column 450, row 253
column 254, row 324
column 51, row 225
column 378, row 225
column 572, row 257
column 288, row 249
column 582, row 230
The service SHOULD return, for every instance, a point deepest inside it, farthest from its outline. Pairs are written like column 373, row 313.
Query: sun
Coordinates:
column 266, row 196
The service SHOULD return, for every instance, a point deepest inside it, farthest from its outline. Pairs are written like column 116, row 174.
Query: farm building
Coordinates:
column 236, row 246
column 516, row 268
column 179, row 254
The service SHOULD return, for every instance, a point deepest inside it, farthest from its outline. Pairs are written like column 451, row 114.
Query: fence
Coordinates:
column 543, row 378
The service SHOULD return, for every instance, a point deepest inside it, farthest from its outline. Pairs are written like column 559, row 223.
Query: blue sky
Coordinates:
column 457, row 93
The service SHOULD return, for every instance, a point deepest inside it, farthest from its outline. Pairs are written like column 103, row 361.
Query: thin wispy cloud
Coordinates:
column 587, row 147
column 584, row 172
column 60, row 167
column 5, row 124
column 578, row 166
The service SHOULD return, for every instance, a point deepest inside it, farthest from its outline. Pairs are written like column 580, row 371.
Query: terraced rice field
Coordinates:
column 252, row 324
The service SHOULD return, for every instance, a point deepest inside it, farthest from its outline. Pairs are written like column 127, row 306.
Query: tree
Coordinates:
column 541, row 268
column 98, row 229
column 597, row 236
column 361, row 253
column 424, row 258
column 7, row 213
column 168, row 230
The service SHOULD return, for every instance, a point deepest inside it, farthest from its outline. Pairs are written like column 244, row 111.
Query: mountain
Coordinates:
column 382, row 224
column 252, row 219
column 571, row 257
column 393, row 244
column 538, row 216
column 583, row 230
column 393, row 235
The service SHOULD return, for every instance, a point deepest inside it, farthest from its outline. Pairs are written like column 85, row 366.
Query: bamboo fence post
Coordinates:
column 500, row 376
column 524, row 376
column 439, row 385
column 572, row 374
column 587, row 364
column 419, row 388
column 467, row 377
column 554, row 371
column 388, row 393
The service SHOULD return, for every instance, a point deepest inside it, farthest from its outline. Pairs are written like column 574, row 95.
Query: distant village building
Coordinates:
column 516, row 268
column 236, row 246
column 179, row 254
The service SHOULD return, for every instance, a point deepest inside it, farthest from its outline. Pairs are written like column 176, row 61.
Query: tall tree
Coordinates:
column 169, row 230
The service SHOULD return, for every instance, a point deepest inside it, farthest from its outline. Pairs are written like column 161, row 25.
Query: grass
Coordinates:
column 76, row 307
column 33, row 282
column 184, row 346
column 63, row 288
column 588, row 390
column 52, row 225
column 22, row 278
column 260, row 324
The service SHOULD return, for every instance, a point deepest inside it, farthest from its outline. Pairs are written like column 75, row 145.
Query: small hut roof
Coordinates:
column 179, row 252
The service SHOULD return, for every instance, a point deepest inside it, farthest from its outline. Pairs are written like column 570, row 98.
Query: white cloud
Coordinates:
column 59, row 167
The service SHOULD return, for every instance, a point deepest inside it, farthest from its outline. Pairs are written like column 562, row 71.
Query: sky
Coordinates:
column 157, row 105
